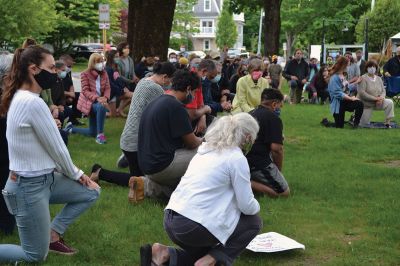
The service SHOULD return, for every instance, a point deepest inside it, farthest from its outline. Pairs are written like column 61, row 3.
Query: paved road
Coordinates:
column 76, row 79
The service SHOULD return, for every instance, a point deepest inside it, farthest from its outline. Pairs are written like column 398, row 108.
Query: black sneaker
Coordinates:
column 122, row 162
column 325, row 122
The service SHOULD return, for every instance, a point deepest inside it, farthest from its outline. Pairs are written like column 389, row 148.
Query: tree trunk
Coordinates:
column 272, row 25
column 149, row 27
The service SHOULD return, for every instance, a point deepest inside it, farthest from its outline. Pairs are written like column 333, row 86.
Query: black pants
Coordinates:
column 196, row 241
column 349, row 106
column 75, row 113
column 323, row 95
column 121, row 178
column 7, row 221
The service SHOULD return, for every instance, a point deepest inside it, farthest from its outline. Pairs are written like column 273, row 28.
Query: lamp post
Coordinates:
column 322, row 58
column 366, row 39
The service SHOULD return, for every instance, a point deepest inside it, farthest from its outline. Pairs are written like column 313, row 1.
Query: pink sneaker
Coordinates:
column 61, row 248
column 101, row 139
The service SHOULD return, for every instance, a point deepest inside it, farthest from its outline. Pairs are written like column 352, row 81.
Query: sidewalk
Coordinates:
column 76, row 79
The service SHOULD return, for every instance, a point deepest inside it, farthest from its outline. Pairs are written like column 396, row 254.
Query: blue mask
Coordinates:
column 116, row 60
column 216, row 79
column 62, row 74
column 189, row 98
column 167, row 87
column 277, row 111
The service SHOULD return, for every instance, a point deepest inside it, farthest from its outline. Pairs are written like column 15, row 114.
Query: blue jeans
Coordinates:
column 28, row 200
column 96, row 121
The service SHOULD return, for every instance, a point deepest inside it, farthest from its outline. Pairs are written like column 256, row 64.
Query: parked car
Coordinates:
column 232, row 53
column 86, row 49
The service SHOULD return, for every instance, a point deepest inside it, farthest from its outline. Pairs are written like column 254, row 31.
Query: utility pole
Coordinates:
column 259, row 33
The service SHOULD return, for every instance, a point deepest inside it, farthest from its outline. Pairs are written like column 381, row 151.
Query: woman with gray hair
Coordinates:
column 249, row 87
column 212, row 214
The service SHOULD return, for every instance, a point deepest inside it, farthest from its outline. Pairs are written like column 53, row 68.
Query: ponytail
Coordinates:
column 19, row 73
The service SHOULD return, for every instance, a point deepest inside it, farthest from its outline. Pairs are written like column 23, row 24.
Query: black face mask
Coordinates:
column 189, row 99
column 46, row 80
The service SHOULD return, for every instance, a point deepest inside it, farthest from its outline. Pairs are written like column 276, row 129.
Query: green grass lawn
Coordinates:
column 79, row 67
column 344, row 205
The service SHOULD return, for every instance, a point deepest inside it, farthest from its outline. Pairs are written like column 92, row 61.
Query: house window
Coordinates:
column 206, row 45
column 207, row 5
column 207, row 26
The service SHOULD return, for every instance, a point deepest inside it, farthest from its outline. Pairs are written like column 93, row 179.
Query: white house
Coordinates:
column 207, row 13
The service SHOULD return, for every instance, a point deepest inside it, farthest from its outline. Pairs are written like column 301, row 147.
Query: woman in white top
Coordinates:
column 212, row 214
column 41, row 169
column 372, row 93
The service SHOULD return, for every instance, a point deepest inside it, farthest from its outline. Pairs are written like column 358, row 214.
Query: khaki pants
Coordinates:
column 164, row 183
column 387, row 107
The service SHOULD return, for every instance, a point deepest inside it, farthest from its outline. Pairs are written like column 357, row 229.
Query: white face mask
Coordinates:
column 99, row 66
column 173, row 60
column 371, row 70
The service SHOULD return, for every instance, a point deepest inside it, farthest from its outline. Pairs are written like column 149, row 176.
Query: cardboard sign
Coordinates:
column 273, row 242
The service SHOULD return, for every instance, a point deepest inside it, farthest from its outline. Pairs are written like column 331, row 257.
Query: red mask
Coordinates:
column 256, row 75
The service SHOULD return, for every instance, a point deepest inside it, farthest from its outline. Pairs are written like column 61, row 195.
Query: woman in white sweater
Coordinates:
column 372, row 93
column 41, row 169
column 212, row 214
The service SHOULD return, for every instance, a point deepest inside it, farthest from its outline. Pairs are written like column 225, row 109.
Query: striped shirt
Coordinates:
column 146, row 91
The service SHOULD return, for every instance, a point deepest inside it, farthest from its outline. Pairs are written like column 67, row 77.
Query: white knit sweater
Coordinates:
column 34, row 142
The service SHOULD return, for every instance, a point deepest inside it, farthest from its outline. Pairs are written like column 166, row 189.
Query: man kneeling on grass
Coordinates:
column 266, row 156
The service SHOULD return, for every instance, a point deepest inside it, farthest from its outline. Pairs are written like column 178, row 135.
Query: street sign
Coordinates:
column 284, row 46
column 104, row 26
column 104, row 12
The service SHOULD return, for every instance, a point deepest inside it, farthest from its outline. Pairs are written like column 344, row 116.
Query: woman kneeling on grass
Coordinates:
column 340, row 101
column 93, row 100
column 212, row 214
column 35, row 150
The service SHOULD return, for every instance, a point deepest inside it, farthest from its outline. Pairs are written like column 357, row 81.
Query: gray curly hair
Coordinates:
column 231, row 131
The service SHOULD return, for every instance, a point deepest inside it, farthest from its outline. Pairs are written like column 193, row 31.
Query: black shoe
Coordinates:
column 145, row 255
column 96, row 167
column 122, row 161
column 325, row 122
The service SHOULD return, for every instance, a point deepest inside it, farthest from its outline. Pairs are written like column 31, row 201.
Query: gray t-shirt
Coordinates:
column 146, row 91
column 353, row 71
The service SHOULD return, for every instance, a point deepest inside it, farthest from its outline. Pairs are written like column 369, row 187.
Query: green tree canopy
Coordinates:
column 302, row 21
column 21, row 19
column 78, row 19
column 184, row 23
column 383, row 23
column 226, row 33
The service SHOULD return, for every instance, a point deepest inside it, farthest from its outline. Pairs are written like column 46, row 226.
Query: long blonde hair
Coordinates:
column 93, row 60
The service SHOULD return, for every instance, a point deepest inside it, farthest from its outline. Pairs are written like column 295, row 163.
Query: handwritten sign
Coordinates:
column 273, row 242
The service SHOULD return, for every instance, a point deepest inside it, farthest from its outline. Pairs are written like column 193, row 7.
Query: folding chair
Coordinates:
column 393, row 88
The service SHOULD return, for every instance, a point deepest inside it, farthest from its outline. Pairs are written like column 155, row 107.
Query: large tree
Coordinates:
column 272, row 20
column 149, row 27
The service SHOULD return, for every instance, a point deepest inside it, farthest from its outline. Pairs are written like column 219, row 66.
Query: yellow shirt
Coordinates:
column 248, row 94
